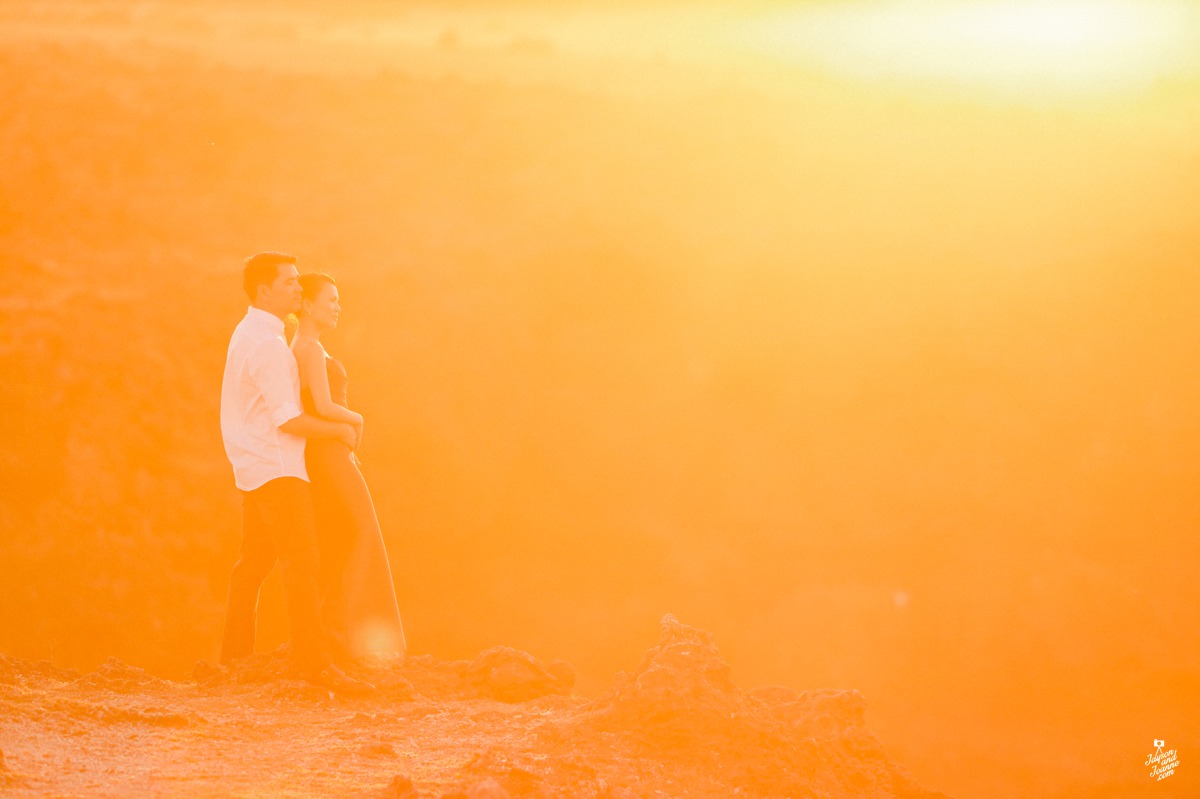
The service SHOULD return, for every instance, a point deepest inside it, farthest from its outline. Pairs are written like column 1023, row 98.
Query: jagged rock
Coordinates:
column 487, row 789
column 681, row 680
column 381, row 749
column 682, row 701
column 265, row 667
column 564, row 672
column 816, row 713
column 438, row 680
column 117, row 676
column 205, row 673
column 390, row 683
column 401, row 787
column 517, row 774
column 511, row 675
column 43, row 668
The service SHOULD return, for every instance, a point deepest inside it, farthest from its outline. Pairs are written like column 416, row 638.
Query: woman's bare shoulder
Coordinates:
column 310, row 351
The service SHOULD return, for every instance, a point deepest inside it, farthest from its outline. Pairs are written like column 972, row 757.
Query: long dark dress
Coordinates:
column 359, row 598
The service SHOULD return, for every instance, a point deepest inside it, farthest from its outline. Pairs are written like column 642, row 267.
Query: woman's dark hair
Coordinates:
column 310, row 284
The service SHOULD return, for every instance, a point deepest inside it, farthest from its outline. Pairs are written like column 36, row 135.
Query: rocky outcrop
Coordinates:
column 682, row 702
column 511, row 675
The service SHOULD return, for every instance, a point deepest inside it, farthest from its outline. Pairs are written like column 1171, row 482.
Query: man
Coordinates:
column 264, row 431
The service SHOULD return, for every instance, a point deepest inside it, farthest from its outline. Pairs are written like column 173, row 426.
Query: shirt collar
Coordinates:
column 266, row 319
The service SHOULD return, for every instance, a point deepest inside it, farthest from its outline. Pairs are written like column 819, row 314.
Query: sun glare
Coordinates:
column 1006, row 45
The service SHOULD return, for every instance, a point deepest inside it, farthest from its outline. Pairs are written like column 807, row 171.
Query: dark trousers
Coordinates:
column 277, row 525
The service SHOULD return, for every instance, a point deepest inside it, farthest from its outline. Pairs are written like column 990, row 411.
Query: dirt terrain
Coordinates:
column 501, row 724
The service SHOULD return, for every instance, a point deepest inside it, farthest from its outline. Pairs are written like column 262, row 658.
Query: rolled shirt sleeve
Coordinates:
column 273, row 369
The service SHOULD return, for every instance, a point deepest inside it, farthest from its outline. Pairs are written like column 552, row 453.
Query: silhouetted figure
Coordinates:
column 359, row 609
column 264, row 431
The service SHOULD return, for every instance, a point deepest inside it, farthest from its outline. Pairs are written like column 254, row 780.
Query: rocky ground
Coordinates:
column 504, row 724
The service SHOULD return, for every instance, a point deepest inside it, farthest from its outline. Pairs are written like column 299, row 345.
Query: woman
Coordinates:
column 356, row 581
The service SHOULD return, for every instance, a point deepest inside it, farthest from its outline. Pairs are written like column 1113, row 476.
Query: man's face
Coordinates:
column 282, row 297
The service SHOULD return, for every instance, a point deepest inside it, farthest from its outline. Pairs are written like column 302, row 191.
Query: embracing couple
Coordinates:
column 291, row 440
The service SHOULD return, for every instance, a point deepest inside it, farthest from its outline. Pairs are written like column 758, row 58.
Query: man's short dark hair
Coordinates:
column 262, row 269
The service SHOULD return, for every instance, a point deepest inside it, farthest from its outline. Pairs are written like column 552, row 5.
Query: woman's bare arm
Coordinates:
column 311, row 360
column 307, row 426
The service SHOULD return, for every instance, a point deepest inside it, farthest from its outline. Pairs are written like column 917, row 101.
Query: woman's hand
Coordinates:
column 358, row 428
column 348, row 435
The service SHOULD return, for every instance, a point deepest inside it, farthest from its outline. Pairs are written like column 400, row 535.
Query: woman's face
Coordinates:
column 325, row 309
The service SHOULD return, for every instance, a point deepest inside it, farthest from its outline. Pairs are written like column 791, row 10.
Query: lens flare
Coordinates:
column 1004, row 45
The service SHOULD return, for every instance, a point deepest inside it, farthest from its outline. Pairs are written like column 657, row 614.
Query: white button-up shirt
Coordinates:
column 259, row 392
